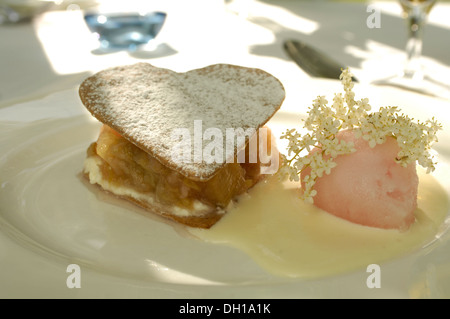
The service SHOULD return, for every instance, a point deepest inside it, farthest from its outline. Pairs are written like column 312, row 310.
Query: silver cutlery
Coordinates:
column 313, row 61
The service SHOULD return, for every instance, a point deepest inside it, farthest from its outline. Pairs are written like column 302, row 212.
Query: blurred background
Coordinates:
column 47, row 46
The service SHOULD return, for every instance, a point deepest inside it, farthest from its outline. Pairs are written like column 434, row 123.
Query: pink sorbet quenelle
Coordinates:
column 368, row 187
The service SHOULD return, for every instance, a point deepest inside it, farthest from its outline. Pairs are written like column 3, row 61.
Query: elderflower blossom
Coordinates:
column 314, row 152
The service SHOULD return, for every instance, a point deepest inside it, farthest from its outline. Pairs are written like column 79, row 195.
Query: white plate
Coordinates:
column 50, row 218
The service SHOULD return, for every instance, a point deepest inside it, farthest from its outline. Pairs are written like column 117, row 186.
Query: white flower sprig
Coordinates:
column 345, row 113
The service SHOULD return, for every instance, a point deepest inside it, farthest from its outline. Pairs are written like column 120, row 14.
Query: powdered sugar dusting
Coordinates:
column 146, row 104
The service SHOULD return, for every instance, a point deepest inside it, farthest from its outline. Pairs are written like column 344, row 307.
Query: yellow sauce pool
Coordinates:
column 290, row 238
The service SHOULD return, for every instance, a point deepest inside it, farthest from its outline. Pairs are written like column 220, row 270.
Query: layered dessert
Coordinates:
column 147, row 149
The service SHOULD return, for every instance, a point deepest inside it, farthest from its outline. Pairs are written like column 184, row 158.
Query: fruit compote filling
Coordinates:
column 125, row 165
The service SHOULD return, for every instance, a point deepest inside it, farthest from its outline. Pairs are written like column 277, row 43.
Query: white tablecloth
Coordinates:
column 56, row 50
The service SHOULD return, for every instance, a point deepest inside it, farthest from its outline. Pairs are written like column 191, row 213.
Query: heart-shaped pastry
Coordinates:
column 145, row 104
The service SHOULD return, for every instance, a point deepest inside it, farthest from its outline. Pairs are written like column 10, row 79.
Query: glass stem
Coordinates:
column 416, row 22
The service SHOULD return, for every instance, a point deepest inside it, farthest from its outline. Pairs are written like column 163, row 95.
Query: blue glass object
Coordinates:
column 125, row 31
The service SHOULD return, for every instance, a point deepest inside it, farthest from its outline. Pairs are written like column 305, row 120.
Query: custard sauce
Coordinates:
column 288, row 237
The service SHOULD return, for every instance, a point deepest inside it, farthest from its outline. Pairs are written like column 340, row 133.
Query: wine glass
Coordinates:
column 413, row 77
column 416, row 13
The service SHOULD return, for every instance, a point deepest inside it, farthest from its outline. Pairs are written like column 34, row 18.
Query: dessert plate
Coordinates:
column 51, row 220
